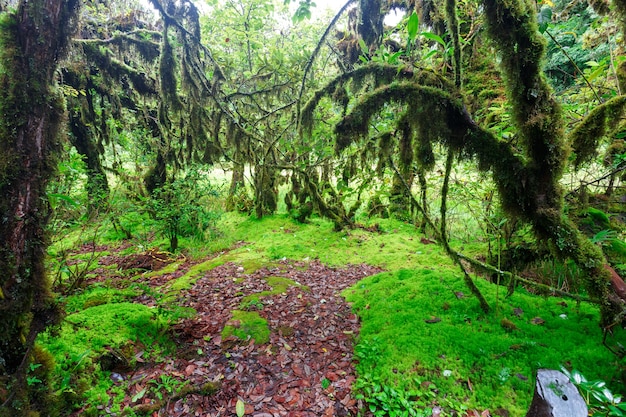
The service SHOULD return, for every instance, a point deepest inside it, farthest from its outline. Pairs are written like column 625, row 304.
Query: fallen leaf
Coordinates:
column 240, row 408
column 538, row 321
column 433, row 320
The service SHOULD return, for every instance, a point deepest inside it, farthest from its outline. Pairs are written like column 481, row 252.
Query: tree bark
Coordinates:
column 32, row 42
column 97, row 184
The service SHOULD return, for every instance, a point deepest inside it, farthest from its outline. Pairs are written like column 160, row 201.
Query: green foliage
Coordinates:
column 86, row 336
column 599, row 398
column 571, row 43
column 303, row 11
column 186, row 207
column 167, row 384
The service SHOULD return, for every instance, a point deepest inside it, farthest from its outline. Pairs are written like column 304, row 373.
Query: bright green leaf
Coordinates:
column 412, row 26
column 364, row 48
column 240, row 408
column 544, row 17
column 62, row 197
column 325, row 383
column 433, row 37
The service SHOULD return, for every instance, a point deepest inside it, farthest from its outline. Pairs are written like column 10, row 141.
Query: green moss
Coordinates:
column 246, row 325
column 169, row 269
column 585, row 138
column 279, row 286
column 417, row 324
column 97, row 295
column 194, row 273
column 248, row 259
column 599, row 217
column 279, row 237
column 85, row 337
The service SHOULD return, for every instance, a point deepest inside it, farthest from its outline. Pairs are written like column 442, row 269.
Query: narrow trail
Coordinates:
column 305, row 369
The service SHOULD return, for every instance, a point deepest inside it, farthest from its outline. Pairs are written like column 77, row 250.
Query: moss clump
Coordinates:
column 87, row 335
column 585, row 138
column 279, row 286
column 246, row 325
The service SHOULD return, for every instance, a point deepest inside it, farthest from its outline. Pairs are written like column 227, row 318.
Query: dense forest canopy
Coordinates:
column 506, row 115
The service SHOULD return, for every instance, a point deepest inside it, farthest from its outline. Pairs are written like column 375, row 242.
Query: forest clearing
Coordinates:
column 265, row 322
column 258, row 207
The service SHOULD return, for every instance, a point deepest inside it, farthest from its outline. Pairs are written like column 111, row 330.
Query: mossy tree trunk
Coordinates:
column 33, row 39
column 97, row 184
column 537, row 197
column 237, row 187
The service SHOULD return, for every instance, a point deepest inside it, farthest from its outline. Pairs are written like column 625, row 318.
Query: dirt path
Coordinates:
column 306, row 367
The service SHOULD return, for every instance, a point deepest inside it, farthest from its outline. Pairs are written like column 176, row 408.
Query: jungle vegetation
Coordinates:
column 495, row 124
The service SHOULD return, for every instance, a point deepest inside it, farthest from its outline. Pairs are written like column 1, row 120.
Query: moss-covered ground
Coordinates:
column 422, row 334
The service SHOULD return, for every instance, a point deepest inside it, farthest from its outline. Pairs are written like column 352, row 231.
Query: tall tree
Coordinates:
column 33, row 38
column 526, row 172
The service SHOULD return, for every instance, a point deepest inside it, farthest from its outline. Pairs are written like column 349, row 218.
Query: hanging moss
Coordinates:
column 434, row 108
column 370, row 26
column 383, row 73
column 167, row 64
column 585, row 138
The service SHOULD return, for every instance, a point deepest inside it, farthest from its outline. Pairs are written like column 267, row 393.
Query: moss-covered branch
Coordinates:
column 513, row 27
column 586, row 136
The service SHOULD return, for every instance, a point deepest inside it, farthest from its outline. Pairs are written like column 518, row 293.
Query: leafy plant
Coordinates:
column 185, row 207
column 384, row 400
column 166, row 383
column 599, row 398
column 32, row 379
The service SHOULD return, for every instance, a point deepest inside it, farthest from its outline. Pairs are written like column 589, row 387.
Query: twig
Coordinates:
column 575, row 66
column 444, row 235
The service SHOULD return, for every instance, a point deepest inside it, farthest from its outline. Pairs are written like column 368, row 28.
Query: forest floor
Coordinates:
column 305, row 368
column 257, row 323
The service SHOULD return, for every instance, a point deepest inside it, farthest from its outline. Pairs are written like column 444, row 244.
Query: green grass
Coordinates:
column 467, row 347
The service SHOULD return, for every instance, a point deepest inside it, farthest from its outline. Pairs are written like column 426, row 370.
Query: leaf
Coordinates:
column 394, row 58
column 240, row 408
column 433, row 37
column 139, row 395
column 364, row 48
column 63, row 197
column 544, row 18
column 413, row 25
column 325, row 383
column 597, row 72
